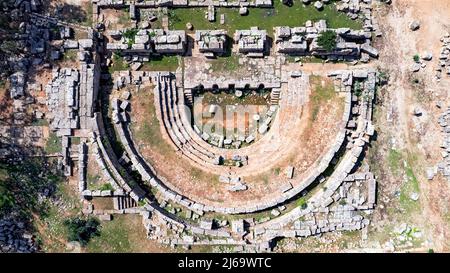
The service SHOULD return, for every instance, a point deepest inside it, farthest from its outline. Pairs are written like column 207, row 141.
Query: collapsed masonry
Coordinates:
column 72, row 93
column 147, row 42
column 350, row 44
column 347, row 196
column 444, row 57
column 444, row 166
column 135, row 5
column 260, row 123
column 211, row 42
column 252, row 42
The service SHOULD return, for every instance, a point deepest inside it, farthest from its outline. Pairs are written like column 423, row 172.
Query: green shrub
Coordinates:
column 302, row 203
column 416, row 58
column 327, row 40
column 130, row 35
column 82, row 230
column 106, row 187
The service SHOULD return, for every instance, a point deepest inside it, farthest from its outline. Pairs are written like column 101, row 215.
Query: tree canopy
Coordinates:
column 327, row 40
column 82, row 230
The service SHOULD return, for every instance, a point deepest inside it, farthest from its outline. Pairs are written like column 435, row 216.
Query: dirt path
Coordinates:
column 400, row 46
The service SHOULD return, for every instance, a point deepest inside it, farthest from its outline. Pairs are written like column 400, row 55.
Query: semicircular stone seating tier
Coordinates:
column 323, row 199
column 264, row 231
column 109, row 162
column 174, row 122
column 257, row 158
column 165, row 188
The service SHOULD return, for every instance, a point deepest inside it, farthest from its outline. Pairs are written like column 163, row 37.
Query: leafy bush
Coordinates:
column 6, row 199
column 82, row 230
column 106, row 187
column 327, row 40
column 130, row 35
column 302, row 203
column 416, row 58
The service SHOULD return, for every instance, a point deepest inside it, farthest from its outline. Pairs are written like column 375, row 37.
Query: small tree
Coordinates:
column 327, row 40
column 82, row 230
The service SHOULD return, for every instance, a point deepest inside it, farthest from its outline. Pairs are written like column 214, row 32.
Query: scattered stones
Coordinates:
column 414, row 196
column 415, row 67
column 243, row 11
column 427, row 56
column 414, row 25
column 318, row 5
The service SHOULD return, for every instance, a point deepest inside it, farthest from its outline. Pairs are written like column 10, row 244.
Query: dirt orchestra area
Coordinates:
column 317, row 124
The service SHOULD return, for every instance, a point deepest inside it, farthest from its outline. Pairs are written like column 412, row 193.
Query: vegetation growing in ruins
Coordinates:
column 106, row 187
column 118, row 64
column 70, row 55
column 92, row 180
column 124, row 18
column 321, row 94
column 130, row 35
column 9, row 47
column 6, row 198
column 123, row 234
column 82, row 230
column 53, row 144
column 394, row 161
column 410, row 186
column 89, row 13
column 4, row 21
column 228, row 64
column 357, row 88
column 302, row 203
column 21, row 186
column 224, row 99
column 327, row 40
column 149, row 130
column 267, row 18
column 161, row 63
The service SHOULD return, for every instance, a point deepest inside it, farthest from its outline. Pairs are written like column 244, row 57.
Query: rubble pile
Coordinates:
column 444, row 166
column 211, row 42
column 14, row 238
column 133, row 6
column 444, row 58
column 156, row 41
column 350, row 44
column 252, row 42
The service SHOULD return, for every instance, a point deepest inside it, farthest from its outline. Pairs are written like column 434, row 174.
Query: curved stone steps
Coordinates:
column 159, row 99
column 181, row 114
column 171, row 125
column 188, row 131
column 190, row 147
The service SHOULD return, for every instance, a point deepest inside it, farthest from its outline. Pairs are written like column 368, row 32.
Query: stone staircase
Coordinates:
column 275, row 96
column 123, row 202
column 189, row 97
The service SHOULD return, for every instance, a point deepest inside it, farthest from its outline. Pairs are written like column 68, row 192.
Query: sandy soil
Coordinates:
column 418, row 136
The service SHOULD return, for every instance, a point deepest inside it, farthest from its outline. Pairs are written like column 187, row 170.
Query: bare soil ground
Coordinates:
column 416, row 137
column 116, row 19
column 312, row 137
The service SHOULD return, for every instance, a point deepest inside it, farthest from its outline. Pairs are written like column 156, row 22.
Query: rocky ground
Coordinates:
column 412, row 212
column 417, row 136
